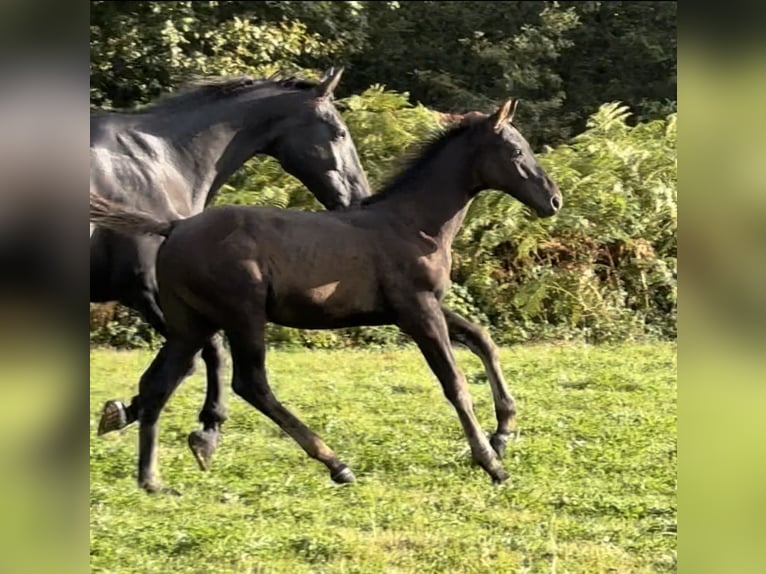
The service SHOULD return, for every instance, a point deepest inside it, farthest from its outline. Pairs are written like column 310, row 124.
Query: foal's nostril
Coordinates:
column 556, row 202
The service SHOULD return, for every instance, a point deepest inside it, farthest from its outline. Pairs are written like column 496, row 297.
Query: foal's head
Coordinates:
column 506, row 162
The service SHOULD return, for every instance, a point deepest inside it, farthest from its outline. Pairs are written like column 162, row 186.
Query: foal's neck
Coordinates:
column 437, row 197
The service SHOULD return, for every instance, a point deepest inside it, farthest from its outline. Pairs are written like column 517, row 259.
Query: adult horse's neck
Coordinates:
column 211, row 141
column 433, row 195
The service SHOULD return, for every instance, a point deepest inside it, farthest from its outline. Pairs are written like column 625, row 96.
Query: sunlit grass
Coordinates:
column 593, row 469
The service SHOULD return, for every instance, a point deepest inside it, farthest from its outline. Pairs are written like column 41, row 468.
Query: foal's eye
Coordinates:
column 516, row 153
column 340, row 134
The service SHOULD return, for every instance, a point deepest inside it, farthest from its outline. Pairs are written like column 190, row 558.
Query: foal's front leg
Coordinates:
column 426, row 324
column 471, row 335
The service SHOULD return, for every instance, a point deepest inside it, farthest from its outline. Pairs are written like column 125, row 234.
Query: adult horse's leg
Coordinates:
column 213, row 414
column 169, row 368
column 426, row 324
column 480, row 343
column 248, row 352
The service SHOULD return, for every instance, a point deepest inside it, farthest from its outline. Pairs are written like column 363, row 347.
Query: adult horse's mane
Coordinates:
column 416, row 159
column 199, row 91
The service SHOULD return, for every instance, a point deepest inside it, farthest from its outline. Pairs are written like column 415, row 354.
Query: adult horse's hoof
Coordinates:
column 113, row 417
column 203, row 445
column 499, row 477
column 498, row 442
column 343, row 476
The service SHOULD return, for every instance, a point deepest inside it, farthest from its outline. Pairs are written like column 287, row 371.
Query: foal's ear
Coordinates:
column 329, row 82
column 504, row 113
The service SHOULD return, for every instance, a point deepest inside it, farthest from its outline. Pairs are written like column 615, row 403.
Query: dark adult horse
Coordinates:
column 385, row 263
column 171, row 159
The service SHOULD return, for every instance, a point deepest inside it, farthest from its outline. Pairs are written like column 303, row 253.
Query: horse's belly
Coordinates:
column 328, row 306
column 309, row 320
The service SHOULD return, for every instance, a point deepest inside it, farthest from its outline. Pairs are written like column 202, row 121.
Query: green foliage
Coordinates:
column 562, row 58
column 385, row 126
column 592, row 465
column 470, row 55
column 140, row 50
column 121, row 327
column 622, row 51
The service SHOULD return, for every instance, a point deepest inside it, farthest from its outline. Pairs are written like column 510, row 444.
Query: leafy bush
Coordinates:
column 114, row 325
column 603, row 270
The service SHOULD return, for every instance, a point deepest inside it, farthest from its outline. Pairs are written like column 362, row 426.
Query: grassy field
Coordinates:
column 592, row 489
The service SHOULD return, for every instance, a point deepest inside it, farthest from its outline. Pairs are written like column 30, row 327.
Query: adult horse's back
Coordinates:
column 171, row 159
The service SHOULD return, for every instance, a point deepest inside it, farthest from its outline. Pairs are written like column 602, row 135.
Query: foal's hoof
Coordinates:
column 203, row 445
column 343, row 476
column 498, row 442
column 113, row 417
column 154, row 488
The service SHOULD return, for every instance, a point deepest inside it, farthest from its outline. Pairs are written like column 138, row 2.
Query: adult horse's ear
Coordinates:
column 504, row 113
column 330, row 81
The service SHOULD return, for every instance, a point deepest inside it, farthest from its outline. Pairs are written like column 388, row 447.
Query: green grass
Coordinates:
column 592, row 489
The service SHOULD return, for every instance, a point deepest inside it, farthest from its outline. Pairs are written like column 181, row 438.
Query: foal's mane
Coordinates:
column 200, row 91
column 416, row 159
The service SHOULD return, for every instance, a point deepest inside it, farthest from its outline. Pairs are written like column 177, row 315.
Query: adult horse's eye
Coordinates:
column 340, row 134
column 516, row 153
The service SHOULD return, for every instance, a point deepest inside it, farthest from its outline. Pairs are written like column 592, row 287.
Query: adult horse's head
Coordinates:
column 313, row 144
column 507, row 163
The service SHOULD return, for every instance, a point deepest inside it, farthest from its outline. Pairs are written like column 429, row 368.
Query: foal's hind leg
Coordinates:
column 169, row 368
column 213, row 414
column 426, row 324
column 248, row 354
column 481, row 344
column 115, row 414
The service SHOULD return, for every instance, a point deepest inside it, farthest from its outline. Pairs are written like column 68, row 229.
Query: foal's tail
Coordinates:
column 108, row 215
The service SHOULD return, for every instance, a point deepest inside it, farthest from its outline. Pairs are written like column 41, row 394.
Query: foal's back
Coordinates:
column 300, row 269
